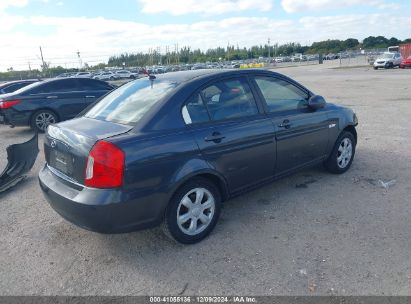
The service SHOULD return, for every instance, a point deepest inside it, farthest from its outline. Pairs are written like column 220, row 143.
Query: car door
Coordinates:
column 92, row 90
column 397, row 59
column 232, row 132
column 301, row 133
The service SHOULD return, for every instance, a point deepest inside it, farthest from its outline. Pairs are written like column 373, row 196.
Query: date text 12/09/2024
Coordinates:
column 200, row 299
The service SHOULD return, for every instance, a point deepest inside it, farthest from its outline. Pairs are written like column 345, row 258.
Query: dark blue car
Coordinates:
column 169, row 149
column 46, row 102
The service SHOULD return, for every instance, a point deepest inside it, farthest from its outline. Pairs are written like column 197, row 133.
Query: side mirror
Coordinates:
column 316, row 102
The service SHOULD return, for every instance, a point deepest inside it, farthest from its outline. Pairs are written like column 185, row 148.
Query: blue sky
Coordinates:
column 101, row 28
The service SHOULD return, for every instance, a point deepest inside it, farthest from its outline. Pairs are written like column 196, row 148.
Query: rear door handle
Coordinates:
column 215, row 137
column 285, row 124
column 52, row 97
column 90, row 96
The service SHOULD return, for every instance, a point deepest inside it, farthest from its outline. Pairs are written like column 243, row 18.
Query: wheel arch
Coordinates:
column 213, row 176
column 352, row 130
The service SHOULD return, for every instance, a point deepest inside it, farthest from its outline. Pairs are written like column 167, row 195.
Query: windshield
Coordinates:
column 387, row 56
column 130, row 102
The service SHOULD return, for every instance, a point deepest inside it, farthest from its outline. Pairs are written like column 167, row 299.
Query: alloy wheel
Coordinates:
column 43, row 120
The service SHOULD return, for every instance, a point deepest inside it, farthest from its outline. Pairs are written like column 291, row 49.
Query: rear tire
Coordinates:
column 342, row 155
column 193, row 211
column 42, row 119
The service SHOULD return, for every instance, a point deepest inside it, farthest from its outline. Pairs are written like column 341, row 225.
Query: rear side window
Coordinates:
column 128, row 104
column 66, row 85
column 229, row 99
column 281, row 95
column 195, row 111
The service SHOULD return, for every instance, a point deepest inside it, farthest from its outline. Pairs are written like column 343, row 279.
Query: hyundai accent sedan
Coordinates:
column 170, row 149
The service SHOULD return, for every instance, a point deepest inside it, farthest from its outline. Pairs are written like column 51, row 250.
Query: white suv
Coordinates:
column 127, row 74
column 388, row 60
column 107, row 76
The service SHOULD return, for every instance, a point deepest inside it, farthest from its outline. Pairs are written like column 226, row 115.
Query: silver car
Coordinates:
column 388, row 60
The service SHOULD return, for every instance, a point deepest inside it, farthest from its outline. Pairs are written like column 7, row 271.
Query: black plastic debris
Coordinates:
column 21, row 158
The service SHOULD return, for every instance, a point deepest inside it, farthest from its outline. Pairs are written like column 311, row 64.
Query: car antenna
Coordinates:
column 151, row 77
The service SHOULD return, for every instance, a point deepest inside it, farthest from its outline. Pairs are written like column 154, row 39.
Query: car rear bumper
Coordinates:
column 14, row 118
column 405, row 65
column 99, row 210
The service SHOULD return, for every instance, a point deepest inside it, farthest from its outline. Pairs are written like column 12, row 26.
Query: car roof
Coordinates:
column 187, row 76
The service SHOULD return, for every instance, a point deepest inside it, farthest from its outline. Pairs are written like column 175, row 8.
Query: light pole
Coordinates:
column 269, row 53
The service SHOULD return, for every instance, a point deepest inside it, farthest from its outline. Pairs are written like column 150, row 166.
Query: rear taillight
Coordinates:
column 9, row 103
column 105, row 166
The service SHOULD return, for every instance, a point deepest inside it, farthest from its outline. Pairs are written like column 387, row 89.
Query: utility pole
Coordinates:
column 167, row 54
column 269, row 53
column 177, row 54
column 79, row 60
column 159, row 54
column 42, row 59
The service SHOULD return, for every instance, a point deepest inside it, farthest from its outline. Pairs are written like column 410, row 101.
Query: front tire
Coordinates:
column 193, row 211
column 42, row 119
column 342, row 154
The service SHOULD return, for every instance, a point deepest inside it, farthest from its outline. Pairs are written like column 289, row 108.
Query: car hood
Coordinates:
column 383, row 59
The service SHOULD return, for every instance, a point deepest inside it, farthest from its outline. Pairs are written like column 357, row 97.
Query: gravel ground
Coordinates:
column 309, row 234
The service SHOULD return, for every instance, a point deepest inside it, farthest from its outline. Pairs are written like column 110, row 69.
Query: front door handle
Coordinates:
column 90, row 96
column 285, row 124
column 52, row 97
column 215, row 137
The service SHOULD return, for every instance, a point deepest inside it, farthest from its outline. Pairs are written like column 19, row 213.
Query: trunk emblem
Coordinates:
column 53, row 143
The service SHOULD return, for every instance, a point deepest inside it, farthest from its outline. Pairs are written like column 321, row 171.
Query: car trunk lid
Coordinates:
column 68, row 144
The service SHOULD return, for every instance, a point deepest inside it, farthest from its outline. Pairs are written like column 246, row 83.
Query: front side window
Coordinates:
column 229, row 99
column 281, row 95
column 128, row 104
column 93, row 85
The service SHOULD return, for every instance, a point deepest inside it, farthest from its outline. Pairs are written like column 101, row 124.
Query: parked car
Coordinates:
column 12, row 86
column 66, row 75
column 83, row 75
column 107, row 76
column 406, row 63
column 124, row 74
column 47, row 102
column 388, row 61
column 170, row 149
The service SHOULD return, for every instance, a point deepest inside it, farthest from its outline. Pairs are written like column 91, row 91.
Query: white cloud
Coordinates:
column 293, row 6
column 9, row 3
column 97, row 38
column 210, row 7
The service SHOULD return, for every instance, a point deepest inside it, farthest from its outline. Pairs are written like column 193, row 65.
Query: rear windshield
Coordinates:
column 28, row 87
column 127, row 104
